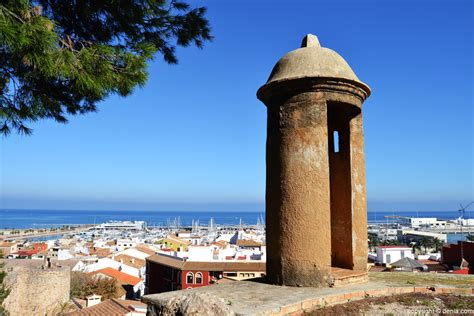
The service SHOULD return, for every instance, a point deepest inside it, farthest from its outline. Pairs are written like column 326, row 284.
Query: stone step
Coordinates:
column 343, row 277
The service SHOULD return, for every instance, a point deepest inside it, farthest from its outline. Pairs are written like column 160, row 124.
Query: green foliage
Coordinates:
column 64, row 308
column 437, row 244
column 61, row 57
column 425, row 242
column 392, row 243
column 83, row 285
column 3, row 290
column 415, row 247
column 458, row 302
column 470, row 237
column 374, row 241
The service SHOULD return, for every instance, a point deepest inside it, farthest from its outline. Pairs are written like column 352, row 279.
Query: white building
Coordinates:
column 465, row 222
column 125, row 225
column 389, row 254
column 60, row 253
column 384, row 233
column 125, row 243
column 216, row 253
column 107, row 263
column 136, row 253
column 416, row 222
column 225, row 237
column 200, row 253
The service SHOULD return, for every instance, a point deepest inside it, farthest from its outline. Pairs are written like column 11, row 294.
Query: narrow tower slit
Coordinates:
column 340, row 185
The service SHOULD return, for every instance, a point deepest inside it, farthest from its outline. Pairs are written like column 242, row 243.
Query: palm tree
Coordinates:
column 425, row 242
column 415, row 247
column 438, row 244
column 393, row 242
column 374, row 241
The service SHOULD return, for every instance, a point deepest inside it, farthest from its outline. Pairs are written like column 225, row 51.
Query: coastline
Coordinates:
column 46, row 219
column 37, row 234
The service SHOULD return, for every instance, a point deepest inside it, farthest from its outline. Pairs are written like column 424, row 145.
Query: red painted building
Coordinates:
column 33, row 250
column 451, row 254
column 167, row 273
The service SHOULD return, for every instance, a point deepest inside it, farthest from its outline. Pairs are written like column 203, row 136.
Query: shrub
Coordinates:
column 83, row 285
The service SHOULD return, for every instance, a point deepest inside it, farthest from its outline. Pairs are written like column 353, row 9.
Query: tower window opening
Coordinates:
column 336, row 141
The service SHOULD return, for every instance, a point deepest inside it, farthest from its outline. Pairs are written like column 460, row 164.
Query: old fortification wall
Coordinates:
column 37, row 290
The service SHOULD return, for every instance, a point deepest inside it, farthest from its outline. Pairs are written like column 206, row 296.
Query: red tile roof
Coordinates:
column 7, row 244
column 220, row 244
column 99, row 252
column 118, row 275
column 34, row 249
column 131, row 261
column 248, row 243
column 146, row 250
column 113, row 307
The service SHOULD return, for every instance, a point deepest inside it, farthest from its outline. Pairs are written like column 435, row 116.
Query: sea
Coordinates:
column 21, row 219
column 16, row 218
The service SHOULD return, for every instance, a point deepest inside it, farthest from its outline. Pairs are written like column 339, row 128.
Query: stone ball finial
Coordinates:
column 310, row 40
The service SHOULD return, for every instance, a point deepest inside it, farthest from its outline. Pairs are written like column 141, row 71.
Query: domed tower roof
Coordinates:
column 313, row 61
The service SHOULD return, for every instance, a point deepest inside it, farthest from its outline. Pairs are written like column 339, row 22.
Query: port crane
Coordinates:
column 462, row 211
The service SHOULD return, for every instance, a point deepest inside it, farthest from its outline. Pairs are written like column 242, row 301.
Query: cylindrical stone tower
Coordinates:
column 316, row 209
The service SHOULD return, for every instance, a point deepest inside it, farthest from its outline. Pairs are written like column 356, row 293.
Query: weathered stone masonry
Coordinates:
column 315, row 188
column 37, row 291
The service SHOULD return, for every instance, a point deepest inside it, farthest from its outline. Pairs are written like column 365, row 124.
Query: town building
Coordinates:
column 99, row 252
column 88, row 266
column 170, row 273
column 60, row 253
column 454, row 255
column 465, row 222
column 417, row 222
column 123, row 244
column 176, row 243
column 383, row 234
column 116, row 307
column 7, row 248
column 33, row 249
column 133, row 286
column 390, row 254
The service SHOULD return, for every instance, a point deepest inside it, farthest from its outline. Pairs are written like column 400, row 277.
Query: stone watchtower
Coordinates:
column 315, row 187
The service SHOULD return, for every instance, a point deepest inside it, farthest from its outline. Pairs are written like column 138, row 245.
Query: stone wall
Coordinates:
column 253, row 298
column 37, row 291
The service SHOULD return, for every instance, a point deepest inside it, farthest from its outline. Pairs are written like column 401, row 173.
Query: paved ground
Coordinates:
column 252, row 298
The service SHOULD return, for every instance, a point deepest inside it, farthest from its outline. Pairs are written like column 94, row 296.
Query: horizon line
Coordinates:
column 193, row 211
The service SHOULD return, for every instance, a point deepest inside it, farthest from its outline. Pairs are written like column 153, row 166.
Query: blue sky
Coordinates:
column 194, row 137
